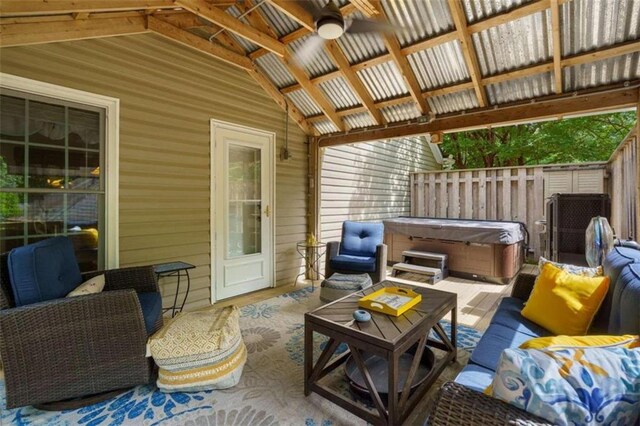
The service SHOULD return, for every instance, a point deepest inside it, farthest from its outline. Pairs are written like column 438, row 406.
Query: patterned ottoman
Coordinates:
column 199, row 350
column 340, row 285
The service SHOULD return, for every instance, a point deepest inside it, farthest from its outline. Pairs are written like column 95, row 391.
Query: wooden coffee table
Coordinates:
column 386, row 336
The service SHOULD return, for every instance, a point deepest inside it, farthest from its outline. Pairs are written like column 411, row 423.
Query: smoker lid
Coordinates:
column 474, row 231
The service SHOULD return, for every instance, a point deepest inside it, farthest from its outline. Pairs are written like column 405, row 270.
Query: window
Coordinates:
column 52, row 158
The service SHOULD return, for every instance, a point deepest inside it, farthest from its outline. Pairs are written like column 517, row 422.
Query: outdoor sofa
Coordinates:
column 462, row 402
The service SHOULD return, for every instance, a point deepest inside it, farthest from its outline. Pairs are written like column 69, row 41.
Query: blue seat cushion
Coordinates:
column 475, row 377
column 496, row 339
column 361, row 238
column 151, row 304
column 625, row 302
column 345, row 262
column 508, row 315
column 43, row 271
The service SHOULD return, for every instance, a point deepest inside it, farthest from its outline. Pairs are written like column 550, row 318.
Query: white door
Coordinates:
column 242, row 209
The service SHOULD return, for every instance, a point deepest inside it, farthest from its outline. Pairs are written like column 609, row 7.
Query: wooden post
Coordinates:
column 313, row 205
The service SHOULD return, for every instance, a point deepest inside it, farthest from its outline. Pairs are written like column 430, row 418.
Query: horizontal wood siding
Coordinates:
column 369, row 181
column 168, row 94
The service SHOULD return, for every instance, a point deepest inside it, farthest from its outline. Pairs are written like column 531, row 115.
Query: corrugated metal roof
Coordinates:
column 360, row 47
column 590, row 24
column 607, row 71
column 520, row 89
column 477, row 10
column 383, row 81
column 246, row 44
column 514, row 44
column 358, row 121
column 402, row 112
column 325, row 126
column 433, row 17
column 440, row 66
column 280, row 22
column 318, row 64
column 304, row 103
column 275, row 70
column 339, row 93
column 451, row 102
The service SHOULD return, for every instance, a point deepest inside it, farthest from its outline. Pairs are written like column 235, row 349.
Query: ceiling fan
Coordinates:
column 331, row 25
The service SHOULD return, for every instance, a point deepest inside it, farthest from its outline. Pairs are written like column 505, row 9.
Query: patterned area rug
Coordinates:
column 270, row 392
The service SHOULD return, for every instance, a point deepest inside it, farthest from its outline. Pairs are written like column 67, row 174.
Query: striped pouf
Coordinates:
column 340, row 285
column 199, row 351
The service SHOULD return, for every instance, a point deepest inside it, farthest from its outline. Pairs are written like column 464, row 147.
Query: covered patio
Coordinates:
column 227, row 134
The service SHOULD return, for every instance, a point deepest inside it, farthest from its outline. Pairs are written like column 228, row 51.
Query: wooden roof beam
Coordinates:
column 213, row 14
column 80, row 29
column 468, row 51
column 54, row 7
column 335, row 53
column 522, row 112
column 557, row 45
column 366, row 7
column 393, row 46
column 296, row 12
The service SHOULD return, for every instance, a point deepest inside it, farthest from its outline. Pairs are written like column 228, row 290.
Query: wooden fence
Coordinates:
column 623, row 188
column 515, row 194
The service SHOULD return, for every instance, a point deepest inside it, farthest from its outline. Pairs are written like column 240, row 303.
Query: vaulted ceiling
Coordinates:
column 454, row 56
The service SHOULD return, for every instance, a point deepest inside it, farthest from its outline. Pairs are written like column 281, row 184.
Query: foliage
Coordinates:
column 591, row 138
column 9, row 202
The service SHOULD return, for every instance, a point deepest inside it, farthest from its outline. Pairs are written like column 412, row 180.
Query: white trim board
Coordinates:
column 112, row 142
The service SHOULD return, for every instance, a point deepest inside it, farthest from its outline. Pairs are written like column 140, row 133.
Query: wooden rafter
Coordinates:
column 335, row 53
column 52, row 7
column 50, row 32
column 521, row 112
column 366, row 7
column 258, row 20
column 468, row 51
column 295, row 12
column 602, row 53
column 213, row 14
column 393, row 46
column 186, row 38
column 557, row 46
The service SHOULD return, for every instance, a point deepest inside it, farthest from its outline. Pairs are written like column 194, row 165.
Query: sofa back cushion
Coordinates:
column 361, row 238
column 624, row 317
column 614, row 264
column 43, row 271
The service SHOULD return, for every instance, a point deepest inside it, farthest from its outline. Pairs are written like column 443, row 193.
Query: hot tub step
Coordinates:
column 425, row 255
column 425, row 258
column 433, row 274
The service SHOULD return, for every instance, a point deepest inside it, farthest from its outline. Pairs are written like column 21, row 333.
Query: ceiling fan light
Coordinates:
column 330, row 28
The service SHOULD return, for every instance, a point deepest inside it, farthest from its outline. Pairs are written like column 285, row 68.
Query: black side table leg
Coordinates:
column 188, row 288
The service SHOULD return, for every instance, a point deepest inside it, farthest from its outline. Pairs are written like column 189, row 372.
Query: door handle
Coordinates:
column 267, row 211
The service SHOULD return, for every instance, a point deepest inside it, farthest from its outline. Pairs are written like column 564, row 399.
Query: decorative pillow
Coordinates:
column 557, row 342
column 585, row 271
column 589, row 386
column 565, row 303
column 91, row 286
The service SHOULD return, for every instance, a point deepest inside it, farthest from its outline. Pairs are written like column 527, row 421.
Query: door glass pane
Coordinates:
column 12, row 122
column 244, row 215
column 46, row 123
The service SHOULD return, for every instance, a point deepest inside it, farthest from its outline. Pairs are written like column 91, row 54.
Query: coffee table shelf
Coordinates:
column 386, row 336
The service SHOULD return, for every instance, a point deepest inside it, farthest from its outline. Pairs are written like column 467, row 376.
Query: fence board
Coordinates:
column 623, row 169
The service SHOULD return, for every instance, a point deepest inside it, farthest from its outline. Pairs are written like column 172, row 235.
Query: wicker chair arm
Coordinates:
column 523, row 286
column 459, row 405
column 140, row 278
column 381, row 263
column 69, row 347
column 333, row 248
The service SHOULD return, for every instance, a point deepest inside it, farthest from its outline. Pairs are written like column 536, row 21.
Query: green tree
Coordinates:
column 591, row 138
column 9, row 202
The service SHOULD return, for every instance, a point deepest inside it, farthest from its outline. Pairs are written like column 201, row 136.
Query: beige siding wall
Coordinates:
column 369, row 181
column 168, row 94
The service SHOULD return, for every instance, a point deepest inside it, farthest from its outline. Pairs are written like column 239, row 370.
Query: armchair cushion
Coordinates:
column 43, row 271
column 151, row 304
column 344, row 262
column 361, row 238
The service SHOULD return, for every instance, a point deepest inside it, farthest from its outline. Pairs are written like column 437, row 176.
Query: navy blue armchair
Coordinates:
column 360, row 251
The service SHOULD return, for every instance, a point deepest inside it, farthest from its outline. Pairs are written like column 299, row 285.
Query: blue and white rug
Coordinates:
column 270, row 392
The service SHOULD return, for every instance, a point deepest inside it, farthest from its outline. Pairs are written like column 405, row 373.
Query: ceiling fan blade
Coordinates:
column 311, row 8
column 357, row 26
column 308, row 50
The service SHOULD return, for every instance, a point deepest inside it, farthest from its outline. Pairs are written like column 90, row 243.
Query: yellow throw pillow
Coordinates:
column 551, row 342
column 565, row 303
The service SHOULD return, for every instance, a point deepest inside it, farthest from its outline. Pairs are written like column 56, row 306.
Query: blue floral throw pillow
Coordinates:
column 570, row 386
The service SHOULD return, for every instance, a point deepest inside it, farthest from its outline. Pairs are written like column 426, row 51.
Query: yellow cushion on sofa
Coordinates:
column 565, row 303
column 626, row 341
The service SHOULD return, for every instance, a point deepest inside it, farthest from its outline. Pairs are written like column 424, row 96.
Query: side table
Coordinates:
column 311, row 253
column 175, row 269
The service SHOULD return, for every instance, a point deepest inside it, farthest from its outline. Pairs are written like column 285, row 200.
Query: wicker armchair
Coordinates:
column 74, row 347
column 459, row 405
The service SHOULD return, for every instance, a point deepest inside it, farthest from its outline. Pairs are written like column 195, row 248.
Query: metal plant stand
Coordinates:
column 311, row 253
column 179, row 270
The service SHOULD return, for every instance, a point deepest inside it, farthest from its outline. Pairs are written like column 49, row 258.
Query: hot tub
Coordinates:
column 483, row 250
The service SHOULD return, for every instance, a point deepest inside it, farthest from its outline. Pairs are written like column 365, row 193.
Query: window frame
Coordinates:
column 111, row 107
